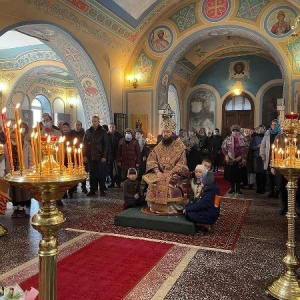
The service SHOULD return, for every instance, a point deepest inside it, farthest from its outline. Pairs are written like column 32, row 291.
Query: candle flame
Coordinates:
column 8, row 124
column 48, row 139
column 80, row 146
column 4, row 110
column 69, row 149
column 75, row 141
column 18, row 105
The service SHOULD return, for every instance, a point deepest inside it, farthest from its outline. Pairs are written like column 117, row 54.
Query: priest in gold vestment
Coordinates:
column 166, row 169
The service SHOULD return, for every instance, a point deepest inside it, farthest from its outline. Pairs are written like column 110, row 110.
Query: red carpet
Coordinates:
column 107, row 268
column 223, row 184
column 224, row 235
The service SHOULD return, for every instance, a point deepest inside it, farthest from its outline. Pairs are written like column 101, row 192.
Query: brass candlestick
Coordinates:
column 286, row 160
column 287, row 286
column 47, row 221
column 48, row 180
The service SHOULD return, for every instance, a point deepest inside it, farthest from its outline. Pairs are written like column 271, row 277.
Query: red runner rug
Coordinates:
column 224, row 236
column 223, row 184
column 107, row 268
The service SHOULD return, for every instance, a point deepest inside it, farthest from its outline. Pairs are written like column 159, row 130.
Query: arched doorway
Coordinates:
column 237, row 110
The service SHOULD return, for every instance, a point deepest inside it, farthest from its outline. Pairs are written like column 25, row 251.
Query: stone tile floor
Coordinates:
column 243, row 274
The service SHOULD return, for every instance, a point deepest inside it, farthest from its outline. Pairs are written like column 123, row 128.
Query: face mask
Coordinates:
column 22, row 130
column 128, row 137
column 47, row 124
column 191, row 133
column 138, row 135
column 13, row 143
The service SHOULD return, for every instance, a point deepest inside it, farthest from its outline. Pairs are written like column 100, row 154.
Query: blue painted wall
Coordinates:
column 261, row 70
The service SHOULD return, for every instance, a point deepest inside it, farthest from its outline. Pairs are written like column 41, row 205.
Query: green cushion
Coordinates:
column 134, row 217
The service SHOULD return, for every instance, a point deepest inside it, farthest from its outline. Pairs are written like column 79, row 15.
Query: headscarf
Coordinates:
column 277, row 130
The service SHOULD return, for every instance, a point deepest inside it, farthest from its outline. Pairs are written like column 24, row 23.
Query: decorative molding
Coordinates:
column 28, row 57
column 185, row 17
column 251, row 9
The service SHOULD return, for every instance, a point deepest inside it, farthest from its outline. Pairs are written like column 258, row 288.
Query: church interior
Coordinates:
column 207, row 64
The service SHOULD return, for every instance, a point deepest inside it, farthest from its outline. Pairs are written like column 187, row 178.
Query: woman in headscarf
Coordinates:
column 235, row 149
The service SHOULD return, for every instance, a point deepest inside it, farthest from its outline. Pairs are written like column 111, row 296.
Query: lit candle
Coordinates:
column 49, row 151
column 56, row 154
column 273, row 153
column 36, row 149
column 39, row 146
column 33, row 148
column 19, row 140
column 79, row 157
column 74, row 153
column 81, row 154
column 69, row 150
column 298, row 154
column 8, row 145
column 291, row 116
column 63, row 151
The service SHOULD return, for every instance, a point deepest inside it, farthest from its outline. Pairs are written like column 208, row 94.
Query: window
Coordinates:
column 238, row 103
column 36, row 108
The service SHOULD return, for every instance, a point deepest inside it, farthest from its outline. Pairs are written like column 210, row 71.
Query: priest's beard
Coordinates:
column 168, row 141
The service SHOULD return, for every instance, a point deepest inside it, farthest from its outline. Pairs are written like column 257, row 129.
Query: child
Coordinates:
column 207, row 163
column 204, row 210
column 131, row 190
column 196, row 183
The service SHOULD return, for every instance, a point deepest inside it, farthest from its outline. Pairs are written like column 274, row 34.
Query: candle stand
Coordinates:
column 285, row 160
column 287, row 285
column 48, row 180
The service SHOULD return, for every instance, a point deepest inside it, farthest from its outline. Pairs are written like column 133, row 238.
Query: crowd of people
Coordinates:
column 178, row 163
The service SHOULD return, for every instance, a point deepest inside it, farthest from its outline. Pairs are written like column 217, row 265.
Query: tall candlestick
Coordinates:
column 33, row 149
column 81, row 154
column 63, row 151
column 74, row 153
column 69, row 150
column 8, row 145
column 49, row 151
column 39, row 137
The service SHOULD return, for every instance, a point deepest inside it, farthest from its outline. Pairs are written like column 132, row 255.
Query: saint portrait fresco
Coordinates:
column 160, row 39
column 279, row 22
column 202, row 109
column 89, row 87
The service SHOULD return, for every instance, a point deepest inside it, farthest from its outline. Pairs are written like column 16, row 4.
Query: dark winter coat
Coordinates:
column 258, row 163
column 129, row 153
column 96, row 144
column 203, row 210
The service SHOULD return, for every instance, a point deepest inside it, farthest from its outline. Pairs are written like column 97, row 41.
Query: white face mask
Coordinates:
column 22, row 130
column 191, row 133
column 47, row 124
column 13, row 143
column 128, row 137
column 138, row 135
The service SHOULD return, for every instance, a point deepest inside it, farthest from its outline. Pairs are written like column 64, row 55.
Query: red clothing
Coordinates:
column 129, row 153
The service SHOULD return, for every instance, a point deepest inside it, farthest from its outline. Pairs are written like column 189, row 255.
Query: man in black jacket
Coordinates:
column 96, row 145
column 114, row 170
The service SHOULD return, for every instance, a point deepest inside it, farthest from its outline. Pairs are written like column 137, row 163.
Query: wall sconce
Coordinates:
column 238, row 88
column 2, row 89
column 133, row 81
column 72, row 102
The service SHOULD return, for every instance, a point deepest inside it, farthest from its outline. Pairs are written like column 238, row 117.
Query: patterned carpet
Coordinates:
column 223, row 237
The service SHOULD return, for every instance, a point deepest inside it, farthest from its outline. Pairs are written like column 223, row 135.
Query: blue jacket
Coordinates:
column 203, row 210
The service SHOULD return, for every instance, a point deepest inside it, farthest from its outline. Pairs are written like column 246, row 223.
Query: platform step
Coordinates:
column 134, row 217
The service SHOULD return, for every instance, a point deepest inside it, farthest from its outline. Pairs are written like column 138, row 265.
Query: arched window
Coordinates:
column 238, row 103
column 36, row 108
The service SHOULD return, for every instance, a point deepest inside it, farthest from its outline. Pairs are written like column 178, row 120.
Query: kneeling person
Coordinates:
column 132, row 190
column 204, row 210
